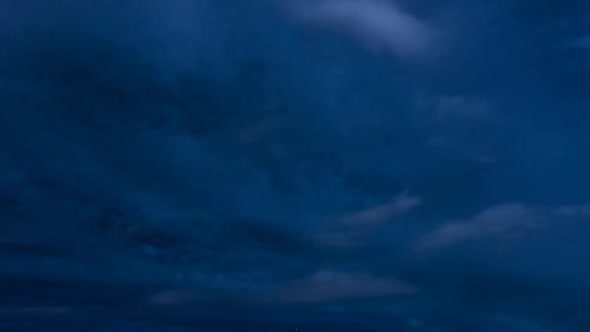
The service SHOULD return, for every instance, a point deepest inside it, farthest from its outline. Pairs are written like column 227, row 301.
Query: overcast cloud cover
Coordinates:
column 387, row 165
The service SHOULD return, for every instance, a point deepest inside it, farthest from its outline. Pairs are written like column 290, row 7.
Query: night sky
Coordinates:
column 295, row 165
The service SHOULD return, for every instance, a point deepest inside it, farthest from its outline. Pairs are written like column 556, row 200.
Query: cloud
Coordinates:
column 355, row 228
column 383, row 213
column 499, row 220
column 380, row 24
column 493, row 221
column 328, row 285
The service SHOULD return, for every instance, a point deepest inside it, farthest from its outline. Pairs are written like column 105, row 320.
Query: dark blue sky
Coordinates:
column 412, row 158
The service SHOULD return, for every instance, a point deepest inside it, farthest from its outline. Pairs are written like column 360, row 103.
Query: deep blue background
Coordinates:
column 294, row 165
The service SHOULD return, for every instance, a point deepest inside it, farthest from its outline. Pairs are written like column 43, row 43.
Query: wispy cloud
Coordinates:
column 380, row 214
column 380, row 24
column 355, row 228
column 499, row 220
column 493, row 221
